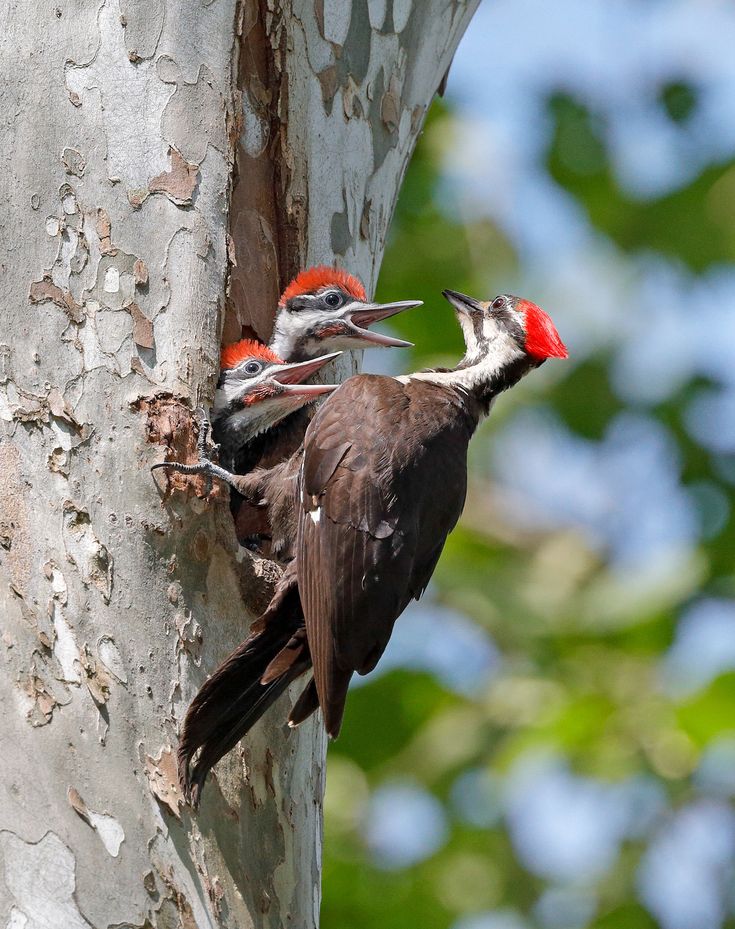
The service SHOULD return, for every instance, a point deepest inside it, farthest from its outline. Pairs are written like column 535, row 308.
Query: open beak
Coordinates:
column 292, row 377
column 371, row 313
column 297, row 372
column 462, row 303
column 309, row 390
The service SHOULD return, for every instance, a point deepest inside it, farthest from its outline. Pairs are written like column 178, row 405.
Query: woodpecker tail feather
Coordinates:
column 238, row 693
column 225, row 708
column 307, row 704
column 253, row 702
column 333, row 707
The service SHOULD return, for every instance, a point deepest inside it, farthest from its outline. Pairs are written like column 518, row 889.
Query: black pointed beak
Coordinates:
column 374, row 312
column 297, row 372
column 462, row 303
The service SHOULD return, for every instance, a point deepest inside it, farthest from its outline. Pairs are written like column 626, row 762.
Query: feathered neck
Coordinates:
column 480, row 378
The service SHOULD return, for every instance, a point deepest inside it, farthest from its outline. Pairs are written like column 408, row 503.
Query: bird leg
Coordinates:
column 205, row 449
column 203, row 466
column 204, row 445
column 205, row 431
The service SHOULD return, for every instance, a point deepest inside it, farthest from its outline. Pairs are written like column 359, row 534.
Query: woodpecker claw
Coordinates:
column 203, row 466
column 206, row 449
column 205, row 431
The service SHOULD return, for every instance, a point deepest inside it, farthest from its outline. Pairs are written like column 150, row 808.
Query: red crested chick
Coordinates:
column 327, row 308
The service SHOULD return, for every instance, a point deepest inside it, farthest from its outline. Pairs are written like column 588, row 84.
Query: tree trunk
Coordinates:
column 168, row 165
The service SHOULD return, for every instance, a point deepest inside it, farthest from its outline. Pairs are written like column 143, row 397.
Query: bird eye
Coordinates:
column 498, row 303
column 253, row 367
column 333, row 298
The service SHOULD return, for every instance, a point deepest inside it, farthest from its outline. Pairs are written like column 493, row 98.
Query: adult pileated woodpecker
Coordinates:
column 382, row 483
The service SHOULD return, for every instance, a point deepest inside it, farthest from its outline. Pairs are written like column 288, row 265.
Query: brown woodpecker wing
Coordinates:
column 384, row 481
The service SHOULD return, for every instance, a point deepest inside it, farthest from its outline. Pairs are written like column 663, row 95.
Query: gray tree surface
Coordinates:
column 167, row 165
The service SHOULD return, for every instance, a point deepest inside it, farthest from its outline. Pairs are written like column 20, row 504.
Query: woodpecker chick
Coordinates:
column 327, row 307
column 375, row 497
column 321, row 309
column 255, row 391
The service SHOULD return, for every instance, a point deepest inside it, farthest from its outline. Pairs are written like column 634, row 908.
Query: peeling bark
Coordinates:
column 169, row 167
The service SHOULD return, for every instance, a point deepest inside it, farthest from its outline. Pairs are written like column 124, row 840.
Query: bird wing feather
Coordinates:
column 383, row 483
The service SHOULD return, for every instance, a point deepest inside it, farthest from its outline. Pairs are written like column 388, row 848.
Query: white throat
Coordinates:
column 282, row 343
column 475, row 369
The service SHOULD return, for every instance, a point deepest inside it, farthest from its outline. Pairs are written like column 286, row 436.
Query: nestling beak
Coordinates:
column 292, row 376
column 464, row 304
column 372, row 313
column 309, row 390
column 297, row 372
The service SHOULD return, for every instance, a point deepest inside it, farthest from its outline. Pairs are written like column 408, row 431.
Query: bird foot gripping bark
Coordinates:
column 206, row 449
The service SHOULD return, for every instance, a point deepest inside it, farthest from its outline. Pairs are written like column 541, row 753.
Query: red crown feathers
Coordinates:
column 542, row 339
column 313, row 279
column 233, row 354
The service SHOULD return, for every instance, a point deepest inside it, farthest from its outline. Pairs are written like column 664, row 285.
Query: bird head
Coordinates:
column 258, row 389
column 506, row 320
column 505, row 338
column 327, row 308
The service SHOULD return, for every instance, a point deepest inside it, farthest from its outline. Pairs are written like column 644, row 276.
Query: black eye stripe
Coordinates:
column 327, row 300
column 296, row 304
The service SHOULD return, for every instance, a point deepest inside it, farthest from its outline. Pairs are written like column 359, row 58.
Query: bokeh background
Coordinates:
column 550, row 739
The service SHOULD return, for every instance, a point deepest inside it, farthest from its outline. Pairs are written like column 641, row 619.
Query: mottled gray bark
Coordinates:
column 165, row 166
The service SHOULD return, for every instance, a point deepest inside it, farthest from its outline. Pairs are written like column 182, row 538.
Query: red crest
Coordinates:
column 313, row 279
column 237, row 352
column 542, row 339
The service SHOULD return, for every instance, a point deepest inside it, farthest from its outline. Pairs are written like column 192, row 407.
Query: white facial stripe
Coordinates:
column 472, row 347
column 290, row 328
column 220, row 400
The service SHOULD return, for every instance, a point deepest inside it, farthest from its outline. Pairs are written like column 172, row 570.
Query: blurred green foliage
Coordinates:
column 679, row 100
column 580, row 650
column 692, row 224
